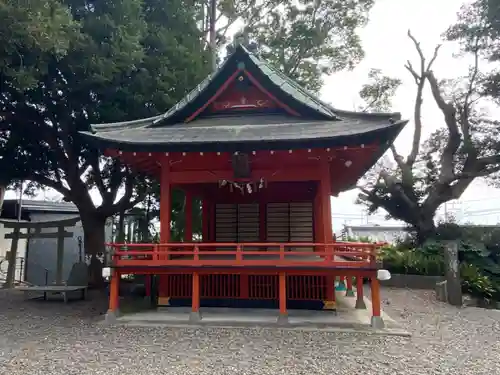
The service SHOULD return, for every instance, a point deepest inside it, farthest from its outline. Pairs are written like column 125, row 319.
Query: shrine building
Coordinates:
column 264, row 157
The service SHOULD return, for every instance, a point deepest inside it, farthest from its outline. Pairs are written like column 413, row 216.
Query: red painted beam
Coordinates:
column 192, row 177
column 299, row 271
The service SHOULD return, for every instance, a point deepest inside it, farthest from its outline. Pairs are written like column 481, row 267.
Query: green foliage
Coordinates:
column 28, row 30
column 479, row 257
column 308, row 39
column 478, row 31
column 378, row 92
column 412, row 262
column 123, row 60
column 363, row 239
column 477, row 283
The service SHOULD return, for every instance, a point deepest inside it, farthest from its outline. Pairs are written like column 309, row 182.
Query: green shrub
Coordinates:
column 411, row 262
column 476, row 283
column 479, row 271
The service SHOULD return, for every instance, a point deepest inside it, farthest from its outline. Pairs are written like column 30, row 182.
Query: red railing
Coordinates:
column 337, row 254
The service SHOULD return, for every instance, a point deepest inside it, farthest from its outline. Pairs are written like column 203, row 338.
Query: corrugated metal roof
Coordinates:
column 44, row 206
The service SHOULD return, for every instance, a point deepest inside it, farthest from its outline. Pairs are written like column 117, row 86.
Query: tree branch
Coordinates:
column 56, row 185
column 420, row 79
column 454, row 138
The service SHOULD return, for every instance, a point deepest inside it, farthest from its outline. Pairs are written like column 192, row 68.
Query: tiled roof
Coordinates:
column 207, row 134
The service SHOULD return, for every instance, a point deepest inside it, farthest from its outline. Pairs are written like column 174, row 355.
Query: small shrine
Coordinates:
column 264, row 156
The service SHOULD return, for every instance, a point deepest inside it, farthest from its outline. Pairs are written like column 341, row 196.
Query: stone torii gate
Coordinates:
column 34, row 230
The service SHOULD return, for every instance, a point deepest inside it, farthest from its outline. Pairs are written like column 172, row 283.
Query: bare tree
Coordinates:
column 442, row 167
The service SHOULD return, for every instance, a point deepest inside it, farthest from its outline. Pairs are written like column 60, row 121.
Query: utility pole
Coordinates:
column 20, row 202
column 213, row 42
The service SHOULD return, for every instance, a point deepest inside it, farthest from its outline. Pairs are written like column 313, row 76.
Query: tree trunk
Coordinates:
column 425, row 229
column 94, row 239
column 3, row 189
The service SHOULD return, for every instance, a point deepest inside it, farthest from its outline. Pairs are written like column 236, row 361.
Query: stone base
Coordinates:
column 349, row 293
column 194, row 317
column 282, row 319
column 111, row 316
column 360, row 303
column 442, row 291
column 377, row 322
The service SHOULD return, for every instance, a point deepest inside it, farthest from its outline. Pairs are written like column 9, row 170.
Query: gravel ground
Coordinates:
column 52, row 338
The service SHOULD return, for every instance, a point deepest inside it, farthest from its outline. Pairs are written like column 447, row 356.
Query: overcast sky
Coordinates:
column 387, row 47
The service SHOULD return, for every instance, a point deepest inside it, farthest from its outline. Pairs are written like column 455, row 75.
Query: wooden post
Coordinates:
column 165, row 203
column 11, row 267
column 360, row 300
column 318, row 219
column 212, row 221
column 326, row 207
column 188, row 217
column 377, row 321
column 453, row 283
column 114, row 296
column 283, row 317
column 147, row 285
column 244, row 286
column 349, row 291
column 262, row 223
column 60, row 255
column 165, row 218
column 205, row 220
column 329, row 303
column 195, row 301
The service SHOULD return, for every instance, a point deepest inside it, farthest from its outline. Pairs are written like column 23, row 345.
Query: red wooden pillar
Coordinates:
column 349, row 291
column 165, row 220
column 326, row 205
column 283, row 317
column 324, row 227
column 114, row 294
column 195, row 303
column 377, row 321
column 262, row 222
column 318, row 219
column 329, row 303
column 212, row 220
column 188, row 217
column 205, row 220
column 360, row 300
column 375, row 288
column 165, row 203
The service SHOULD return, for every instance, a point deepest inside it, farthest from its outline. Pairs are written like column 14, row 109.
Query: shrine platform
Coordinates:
column 346, row 318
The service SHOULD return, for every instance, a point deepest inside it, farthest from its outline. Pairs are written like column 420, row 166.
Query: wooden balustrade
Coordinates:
column 337, row 254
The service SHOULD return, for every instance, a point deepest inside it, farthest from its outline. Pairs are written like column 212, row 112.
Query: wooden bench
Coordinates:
column 77, row 282
column 63, row 290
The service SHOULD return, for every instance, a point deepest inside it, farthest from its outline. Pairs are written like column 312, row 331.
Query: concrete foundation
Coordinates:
column 377, row 322
column 346, row 318
column 282, row 319
column 194, row 317
column 111, row 316
column 360, row 304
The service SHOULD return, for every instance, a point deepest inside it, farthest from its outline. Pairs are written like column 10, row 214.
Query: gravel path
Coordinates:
column 52, row 338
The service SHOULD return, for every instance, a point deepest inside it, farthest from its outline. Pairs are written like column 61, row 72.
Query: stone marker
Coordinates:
column 453, row 283
column 441, row 291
